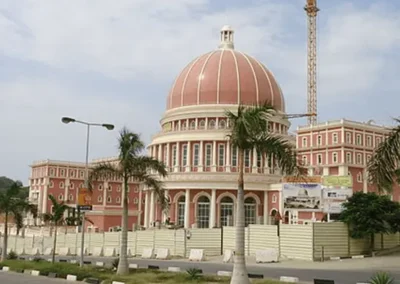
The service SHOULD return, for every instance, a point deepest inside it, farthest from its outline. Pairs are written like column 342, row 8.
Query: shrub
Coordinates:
column 194, row 273
column 12, row 255
column 381, row 278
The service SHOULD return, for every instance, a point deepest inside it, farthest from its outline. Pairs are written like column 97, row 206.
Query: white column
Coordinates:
column 178, row 151
column 168, row 162
column 139, row 219
column 165, row 215
column 151, row 208
column 146, row 209
column 66, row 187
column 160, row 152
column 214, row 157
column 188, row 157
column 213, row 208
column 266, row 213
column 187, row 208
column 228, row 157
column 254, row 170
column 201, row 156
column 105, row 194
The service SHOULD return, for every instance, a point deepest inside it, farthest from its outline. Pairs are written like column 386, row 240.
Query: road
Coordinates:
column 17, row 278
column 347, row 276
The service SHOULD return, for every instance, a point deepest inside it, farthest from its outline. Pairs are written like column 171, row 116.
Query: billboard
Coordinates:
column 337, row 193
column 84, row 199
column 302, row 196
column 302, row 179
column 337, row 181
column 333, row 207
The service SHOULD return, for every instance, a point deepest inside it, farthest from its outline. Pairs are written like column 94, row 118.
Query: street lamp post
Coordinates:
column 67, row 120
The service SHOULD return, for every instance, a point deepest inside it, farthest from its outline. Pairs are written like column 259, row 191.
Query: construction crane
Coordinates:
column 312, row 10
column 290, row 116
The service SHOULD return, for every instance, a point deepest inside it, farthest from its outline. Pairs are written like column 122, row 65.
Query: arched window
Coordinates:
column 211, row 124
column 99, row 198
column 183, row 125
column 60, row 197
column 226, row 211
column 222, row 124
column 202, row 124
column 61, row 185
column 109, row 200
column 118, row 200
column 192, row 125
column 70, row 197
column 71, row 185
column 250, row 207
column 100, row 187
column 181, row 211
column 203, row 212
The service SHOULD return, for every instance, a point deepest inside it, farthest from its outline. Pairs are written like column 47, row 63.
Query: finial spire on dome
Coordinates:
column 226, row 38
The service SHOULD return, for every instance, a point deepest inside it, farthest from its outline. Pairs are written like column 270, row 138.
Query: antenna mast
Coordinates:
column 312, row 10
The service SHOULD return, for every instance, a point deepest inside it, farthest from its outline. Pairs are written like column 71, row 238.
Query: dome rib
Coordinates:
column 202, row 73
column 254, row 74
column 187, row 75
column 269, row 81
column 237, row 76
column 219, row 74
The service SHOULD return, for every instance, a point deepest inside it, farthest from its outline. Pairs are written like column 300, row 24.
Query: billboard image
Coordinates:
column 337, row 193
column 84, row 199
column 302, row 196
column 337, row 181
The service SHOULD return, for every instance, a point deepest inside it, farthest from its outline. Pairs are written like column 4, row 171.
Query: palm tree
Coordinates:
column 131, row 165
column 383, row 168
column 12, row 205
column 56, row 218
column 248, row 129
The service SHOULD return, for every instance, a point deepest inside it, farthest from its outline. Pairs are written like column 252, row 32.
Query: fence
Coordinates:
column 308, row 242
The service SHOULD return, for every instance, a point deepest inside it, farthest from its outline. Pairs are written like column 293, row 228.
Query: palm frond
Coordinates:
column 383, row 166
column 129, row 145
column 103, row 171
column 156, row 186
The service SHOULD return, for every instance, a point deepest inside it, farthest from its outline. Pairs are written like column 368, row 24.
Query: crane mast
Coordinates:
column 312, row 10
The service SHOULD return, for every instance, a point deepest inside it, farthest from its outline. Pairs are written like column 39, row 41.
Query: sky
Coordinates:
column 115, row 61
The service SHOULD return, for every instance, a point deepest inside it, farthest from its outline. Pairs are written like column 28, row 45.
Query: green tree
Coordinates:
column 131, row 165
column 12, row 205
column 56, row 219
column 383, row 170
column 248, row 130
column 368, row 214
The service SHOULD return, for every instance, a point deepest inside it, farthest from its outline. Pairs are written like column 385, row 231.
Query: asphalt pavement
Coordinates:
column 18, row 278
column 305, row 275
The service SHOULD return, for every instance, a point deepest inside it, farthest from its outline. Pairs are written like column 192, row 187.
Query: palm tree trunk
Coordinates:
column 123, row 259
column 53, row 257
column 5, row 237
column 240, row 275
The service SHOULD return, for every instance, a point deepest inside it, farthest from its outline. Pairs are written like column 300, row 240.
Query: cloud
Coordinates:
column 116, row 62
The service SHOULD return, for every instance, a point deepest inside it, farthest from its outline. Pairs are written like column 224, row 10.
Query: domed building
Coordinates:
column 193, row 144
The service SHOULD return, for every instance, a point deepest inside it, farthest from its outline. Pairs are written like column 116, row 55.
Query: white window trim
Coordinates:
column 359, row 177
column 221, row 147
column 62, row 185
column 196, row 148
column 304, row 142
column 348, row 138
column 335, row 138
column 358, row 139
column 99, row 198
column 349, row 158
column 304, row 160
column 335, row 154
column 359, row 159
column 319, row 140
column 274, row 199
column 208, row 146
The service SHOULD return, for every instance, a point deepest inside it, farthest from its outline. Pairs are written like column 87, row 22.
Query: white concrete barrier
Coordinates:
column 97, row 251
column 35, row 272
column 73, row 261
column 129, row 252
column 133, row 266
column 196, row 255
column 99, row 263
column 71, row 277
column 48, row 251
column 109, row 252
column 162, row 253
column 64, row 251
column 6, row 268
column 148, row 253
column 357, row 256
column 174, row 269
column 289, row 279
column 224, row 273
column 85, row 251
column 267, row 255
column 334, row 258
column 228, row 255
column 116, row 282
column 35, row 251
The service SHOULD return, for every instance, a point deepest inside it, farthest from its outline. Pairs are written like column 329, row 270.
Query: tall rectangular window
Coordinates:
column 319, row 140
column 348, row 138
column 369, row 141
column 335, row 138
column 247, row 158
column 184, row 155
column 174, row 155
column 359, row 141
column 196, row 150
column 319, row 159
column 208, row 154
column 304, row 141
column 348, row 157
column 259, row 160
column 335, row 157
column 234, row 156
column 165, row 154
column 221, row 155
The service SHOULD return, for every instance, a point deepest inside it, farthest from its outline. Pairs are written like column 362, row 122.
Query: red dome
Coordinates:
column 225, row 76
